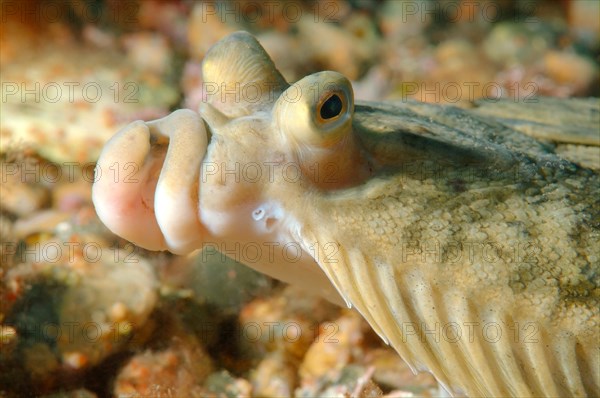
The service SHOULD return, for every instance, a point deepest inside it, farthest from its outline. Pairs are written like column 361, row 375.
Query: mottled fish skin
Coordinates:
column 470, row 247
column 502, row 250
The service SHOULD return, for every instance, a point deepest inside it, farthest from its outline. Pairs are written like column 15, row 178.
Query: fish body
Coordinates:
column 469, row 246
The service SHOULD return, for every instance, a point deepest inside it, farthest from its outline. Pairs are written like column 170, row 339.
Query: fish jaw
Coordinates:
column 180, row 191
column 146, row 191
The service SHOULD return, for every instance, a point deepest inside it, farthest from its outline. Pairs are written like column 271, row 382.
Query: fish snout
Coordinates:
column 146, row 187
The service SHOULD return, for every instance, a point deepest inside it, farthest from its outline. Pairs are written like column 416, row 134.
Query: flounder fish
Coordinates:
column 469, row 246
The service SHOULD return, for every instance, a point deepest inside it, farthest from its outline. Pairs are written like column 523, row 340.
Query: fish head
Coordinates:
column 257, row 147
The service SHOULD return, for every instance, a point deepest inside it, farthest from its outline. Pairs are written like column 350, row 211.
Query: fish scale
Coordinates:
column 472, row 289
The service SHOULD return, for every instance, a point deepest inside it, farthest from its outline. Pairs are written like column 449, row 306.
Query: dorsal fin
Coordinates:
column 239, row 75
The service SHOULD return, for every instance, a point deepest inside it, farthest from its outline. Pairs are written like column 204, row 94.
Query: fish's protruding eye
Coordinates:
column 331, row 107
column 317, row 110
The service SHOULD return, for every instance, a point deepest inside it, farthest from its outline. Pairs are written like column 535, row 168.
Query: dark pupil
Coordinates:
column 332, row 107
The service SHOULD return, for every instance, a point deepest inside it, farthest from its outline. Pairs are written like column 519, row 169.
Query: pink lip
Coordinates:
column 148, row 195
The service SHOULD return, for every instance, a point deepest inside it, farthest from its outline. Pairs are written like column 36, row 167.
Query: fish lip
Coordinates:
column 125, row 204
column 176, row 197
column 157, row 205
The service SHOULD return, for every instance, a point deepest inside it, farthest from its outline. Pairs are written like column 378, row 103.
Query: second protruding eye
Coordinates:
column 317, row 110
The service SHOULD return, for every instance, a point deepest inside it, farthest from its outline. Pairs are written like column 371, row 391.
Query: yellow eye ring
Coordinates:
column 322, row 116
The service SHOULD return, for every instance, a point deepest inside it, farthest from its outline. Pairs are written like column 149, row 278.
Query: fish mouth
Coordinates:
column 146, row 185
